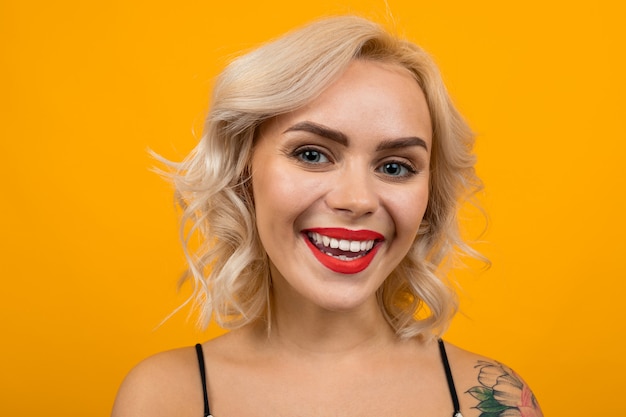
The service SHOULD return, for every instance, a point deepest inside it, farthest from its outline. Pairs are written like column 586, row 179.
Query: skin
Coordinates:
column 348, row 187
column 330, row 351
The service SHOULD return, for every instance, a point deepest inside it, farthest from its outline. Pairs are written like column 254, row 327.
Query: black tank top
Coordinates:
column 444, row 360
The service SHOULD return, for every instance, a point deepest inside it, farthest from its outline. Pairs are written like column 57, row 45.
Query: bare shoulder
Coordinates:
column 488, row 387
column 166, row 384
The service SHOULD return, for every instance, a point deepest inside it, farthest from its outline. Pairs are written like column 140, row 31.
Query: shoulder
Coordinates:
column 489, row 386
column 165, row 384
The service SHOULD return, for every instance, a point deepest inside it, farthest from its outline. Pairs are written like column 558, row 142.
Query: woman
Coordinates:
column 325, row 190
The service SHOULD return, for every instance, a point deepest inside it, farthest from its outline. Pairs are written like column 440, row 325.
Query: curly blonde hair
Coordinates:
column 229, row 267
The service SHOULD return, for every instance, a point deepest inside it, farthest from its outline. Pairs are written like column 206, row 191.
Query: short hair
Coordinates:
column 228, row 265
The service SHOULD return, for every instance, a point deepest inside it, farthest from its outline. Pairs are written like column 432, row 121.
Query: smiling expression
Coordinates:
column 341, row 185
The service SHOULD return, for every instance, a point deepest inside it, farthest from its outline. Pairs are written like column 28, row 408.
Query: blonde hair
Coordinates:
column 229, row 267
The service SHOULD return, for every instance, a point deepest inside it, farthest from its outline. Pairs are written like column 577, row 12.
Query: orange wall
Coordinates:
column 89, row 253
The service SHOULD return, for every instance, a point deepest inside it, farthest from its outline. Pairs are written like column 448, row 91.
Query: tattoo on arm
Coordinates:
column 503, row 393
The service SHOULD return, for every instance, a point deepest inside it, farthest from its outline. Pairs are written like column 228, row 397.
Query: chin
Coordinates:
column 346, row 303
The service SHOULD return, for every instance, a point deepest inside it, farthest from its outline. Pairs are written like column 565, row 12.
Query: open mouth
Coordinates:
column 341, row 250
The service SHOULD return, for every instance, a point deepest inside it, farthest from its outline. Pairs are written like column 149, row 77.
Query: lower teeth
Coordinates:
column 344, row 257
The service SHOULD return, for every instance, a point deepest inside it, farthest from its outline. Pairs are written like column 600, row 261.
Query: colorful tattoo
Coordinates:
column 502, row 393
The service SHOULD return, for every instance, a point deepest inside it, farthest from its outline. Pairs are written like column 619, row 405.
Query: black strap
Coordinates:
column 207, row 412
column 451, row 387
column 444, row 359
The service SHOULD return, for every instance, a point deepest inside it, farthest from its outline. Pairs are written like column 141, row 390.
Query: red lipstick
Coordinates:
column 353, row 264
column 339, row 233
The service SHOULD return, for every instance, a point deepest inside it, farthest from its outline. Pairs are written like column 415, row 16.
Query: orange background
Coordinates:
column 89, row 254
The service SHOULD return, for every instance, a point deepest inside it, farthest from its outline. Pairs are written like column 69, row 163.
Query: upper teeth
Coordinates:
column 345, row 245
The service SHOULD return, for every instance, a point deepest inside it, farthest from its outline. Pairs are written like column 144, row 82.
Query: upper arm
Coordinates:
column 490, row 387
column 166, row 384
column 136, row 394
column 498, row 388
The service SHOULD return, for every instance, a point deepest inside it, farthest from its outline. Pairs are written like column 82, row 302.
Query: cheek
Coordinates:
column 407, row 210
column 281, row 194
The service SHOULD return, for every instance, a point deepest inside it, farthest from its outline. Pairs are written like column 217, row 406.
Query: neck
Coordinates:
column 307, row 329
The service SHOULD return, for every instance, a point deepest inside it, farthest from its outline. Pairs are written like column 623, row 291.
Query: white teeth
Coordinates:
column 354, row 246
column 344, row 257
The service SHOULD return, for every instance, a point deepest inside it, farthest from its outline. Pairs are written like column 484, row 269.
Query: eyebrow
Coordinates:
column 320, row 130
column 339, row 137
column 402, row 143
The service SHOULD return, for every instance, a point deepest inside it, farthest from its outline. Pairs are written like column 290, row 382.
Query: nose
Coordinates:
column 353, row 193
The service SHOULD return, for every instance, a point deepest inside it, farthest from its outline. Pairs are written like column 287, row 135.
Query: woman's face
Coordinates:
column 341, row 185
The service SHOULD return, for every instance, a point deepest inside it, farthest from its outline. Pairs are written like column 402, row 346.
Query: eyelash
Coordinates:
column 301, row 152
column 403, row 165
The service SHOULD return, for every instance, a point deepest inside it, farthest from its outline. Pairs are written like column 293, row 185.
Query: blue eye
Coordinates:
column 396, row 169
column 312, row 156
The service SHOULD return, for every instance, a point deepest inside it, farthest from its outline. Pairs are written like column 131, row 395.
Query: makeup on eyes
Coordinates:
column 402, row 155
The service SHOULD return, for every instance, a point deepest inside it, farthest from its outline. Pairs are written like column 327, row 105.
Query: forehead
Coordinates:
column 369, row 98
